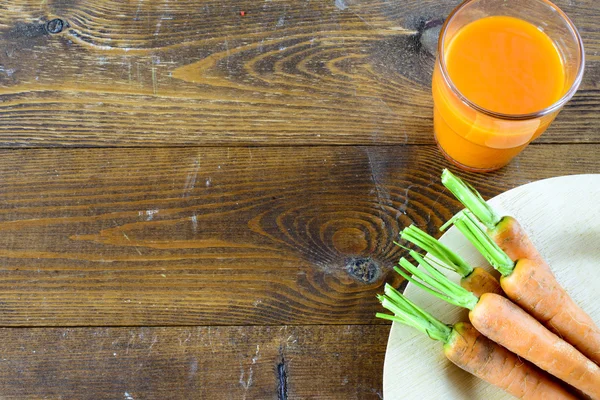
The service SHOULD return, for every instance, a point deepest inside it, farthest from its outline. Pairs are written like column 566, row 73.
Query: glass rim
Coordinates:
column 536, row 114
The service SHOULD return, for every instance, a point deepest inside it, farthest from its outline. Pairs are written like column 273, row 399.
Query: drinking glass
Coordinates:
column 473, row 137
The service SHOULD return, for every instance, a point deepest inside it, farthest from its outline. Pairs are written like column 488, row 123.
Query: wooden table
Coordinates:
column 198, row 198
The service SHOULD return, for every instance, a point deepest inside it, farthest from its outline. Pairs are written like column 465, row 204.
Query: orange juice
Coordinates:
column 504, row 66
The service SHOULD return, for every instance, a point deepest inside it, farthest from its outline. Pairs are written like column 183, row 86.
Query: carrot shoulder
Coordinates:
column 513, row 240
column 507, row 324
column 480, row 281
column 471, row 351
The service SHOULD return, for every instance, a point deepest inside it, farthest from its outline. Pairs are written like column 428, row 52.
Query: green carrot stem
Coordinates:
column 450, row 222
column 391, row 318
column 467, row 224
column 408, row 313
column 433, row 260
column 436, row 283
column 436, row 249
column 471, row 199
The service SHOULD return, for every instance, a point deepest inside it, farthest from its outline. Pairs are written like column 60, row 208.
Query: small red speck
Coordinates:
column 243, row 13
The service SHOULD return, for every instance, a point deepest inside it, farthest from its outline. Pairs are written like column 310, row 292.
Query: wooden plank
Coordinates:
column 197, row 72
column 303, row 362
column 219, row 236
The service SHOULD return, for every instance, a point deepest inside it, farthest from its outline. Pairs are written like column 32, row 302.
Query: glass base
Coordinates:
column 465, row 167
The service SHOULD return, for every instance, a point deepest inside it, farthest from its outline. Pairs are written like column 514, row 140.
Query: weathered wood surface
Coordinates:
column 215, row 236
column 277, row 250
column 314, row 362
column 191, row 72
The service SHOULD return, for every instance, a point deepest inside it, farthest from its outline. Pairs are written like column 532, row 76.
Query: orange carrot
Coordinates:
column 482, row 357
column 531, row 284
column 526, row 278
column 476, row 280
column 513, row 240
column 507, row 324
column 480, row 281
column 504, row 230
column 471, row 351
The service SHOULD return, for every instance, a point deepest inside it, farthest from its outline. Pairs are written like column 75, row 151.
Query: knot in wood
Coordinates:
column 363, row 269
column 55, row 26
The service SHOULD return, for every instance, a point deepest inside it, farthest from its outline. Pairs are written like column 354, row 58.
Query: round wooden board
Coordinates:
column 562, row 216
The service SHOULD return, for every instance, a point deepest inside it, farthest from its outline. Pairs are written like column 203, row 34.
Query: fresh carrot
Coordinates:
column 476, row 280
column 531, row 284
column 471, row 351
column 504, row 230
column 507, row 324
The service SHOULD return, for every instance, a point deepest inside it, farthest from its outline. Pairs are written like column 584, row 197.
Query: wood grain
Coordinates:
column 203, row 199
column 223, row 236
column 335, row 362
column 193, row 72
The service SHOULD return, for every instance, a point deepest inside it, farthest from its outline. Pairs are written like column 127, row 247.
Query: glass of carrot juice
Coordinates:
column 504, row 70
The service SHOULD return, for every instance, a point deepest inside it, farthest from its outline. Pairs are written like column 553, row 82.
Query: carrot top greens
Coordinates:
column 437, row 249
column 468, row 225
column 406, row 312
column 471, row 199
column 436, row 283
